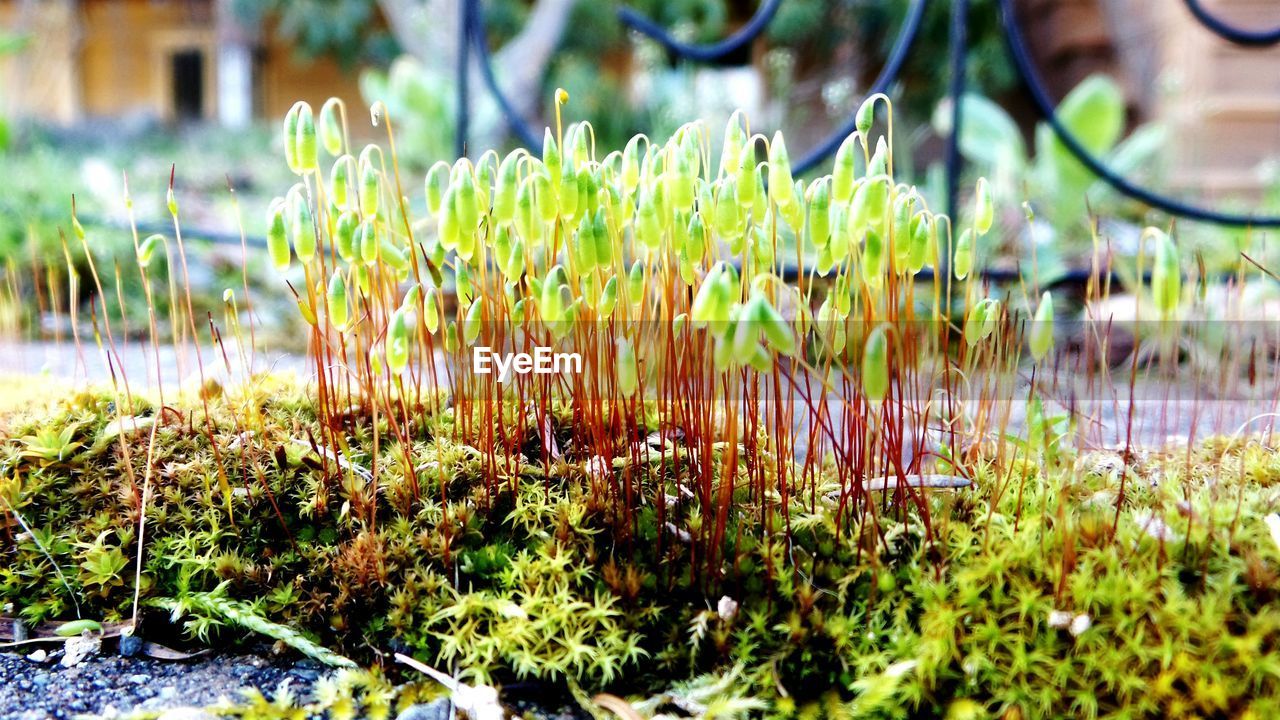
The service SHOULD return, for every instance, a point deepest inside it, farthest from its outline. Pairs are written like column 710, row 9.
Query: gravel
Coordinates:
column 109, row 684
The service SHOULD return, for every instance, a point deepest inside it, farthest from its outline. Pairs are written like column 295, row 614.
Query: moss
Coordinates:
column 1029, row 595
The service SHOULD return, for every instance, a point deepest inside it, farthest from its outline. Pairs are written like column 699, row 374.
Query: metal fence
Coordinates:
column 473, row 31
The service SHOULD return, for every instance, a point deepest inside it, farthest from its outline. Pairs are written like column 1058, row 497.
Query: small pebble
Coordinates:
column 437, row 709
column 38, row 656
column 130, row 645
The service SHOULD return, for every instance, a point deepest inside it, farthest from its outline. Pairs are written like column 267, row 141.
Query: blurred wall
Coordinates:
column 148, row 58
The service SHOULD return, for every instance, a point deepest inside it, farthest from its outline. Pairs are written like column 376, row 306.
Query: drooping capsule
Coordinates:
column 1166, row 273
column 962, row 260
column 1041, row 340
column 628, row 370
column 306, row 152
column 291, row 138
column 330, row 127
column 983, row 208
column 336, row 302
column 278, row 237
column 147, row 250
column 875, row 365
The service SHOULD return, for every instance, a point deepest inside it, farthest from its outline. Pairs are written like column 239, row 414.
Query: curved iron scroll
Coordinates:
column 702, row 53
column 1232, row 33
column 1040, row 95
column 473, row 29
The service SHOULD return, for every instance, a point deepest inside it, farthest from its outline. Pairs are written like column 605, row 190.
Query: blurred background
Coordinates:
column 92, row 90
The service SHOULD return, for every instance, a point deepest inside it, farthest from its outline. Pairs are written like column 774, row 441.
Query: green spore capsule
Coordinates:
column 681, row 183
column 306, row 153
column 635, row 284
column 505, row 189
column 395, row 258
column 695, row 239
column 820, row 213
column 976, row 322
column 748, row 180
column 370, row 189
column 873, row 259
column 368, row 238
column 866, row 116
column 528, row 222
column 304, row 230
column 1041, row 340
column 584, row 243
column 147, row 250
column 921, row 240
column 1166, row 274
column 330, row 127
column 336, row 302
column 728, row 214
column 548, row 209
column 845, row 170
column 449, row 229
column 516, row 264
column 473, row 322
column 341, row 176
column 781, row 186
column 604, row 243
column 984, row 209
column 344, row 235
column 437, row 182
column 875, row 365
column 399, row 340
column 466, row 201
column 777, row 331
column 628, row 370
column 901, row 231
column 278, row 237
column 551, row 156
column 648, row 228
column 879, row 164
column 631, row 166
column 703, row 308
column 291, row 138
column 731, row 149
column 962, row 261
column 462, row 283
column 608, row 298
column 431, row 313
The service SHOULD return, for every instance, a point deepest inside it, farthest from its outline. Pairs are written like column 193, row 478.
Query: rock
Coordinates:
column 437, row 709
column 78, row 648
column 130, row 645
column 19, row 631
column 38, row 656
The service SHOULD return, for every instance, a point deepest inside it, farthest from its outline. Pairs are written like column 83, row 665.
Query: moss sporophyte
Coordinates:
column 739, row 491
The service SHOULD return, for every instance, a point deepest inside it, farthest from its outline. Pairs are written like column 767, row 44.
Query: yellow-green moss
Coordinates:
column 1060, row 606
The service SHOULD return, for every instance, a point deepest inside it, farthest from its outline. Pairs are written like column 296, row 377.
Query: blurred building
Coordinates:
column 162, row 59
column 1221, row 101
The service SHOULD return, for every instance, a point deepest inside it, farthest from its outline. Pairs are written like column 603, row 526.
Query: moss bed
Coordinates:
column 1032, row 593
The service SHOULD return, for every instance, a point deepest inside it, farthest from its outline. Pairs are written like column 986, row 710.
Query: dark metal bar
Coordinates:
column 701, row 53
column 1040, row 95
column 892, row 67
column 527, row 136
column 1233, row 33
